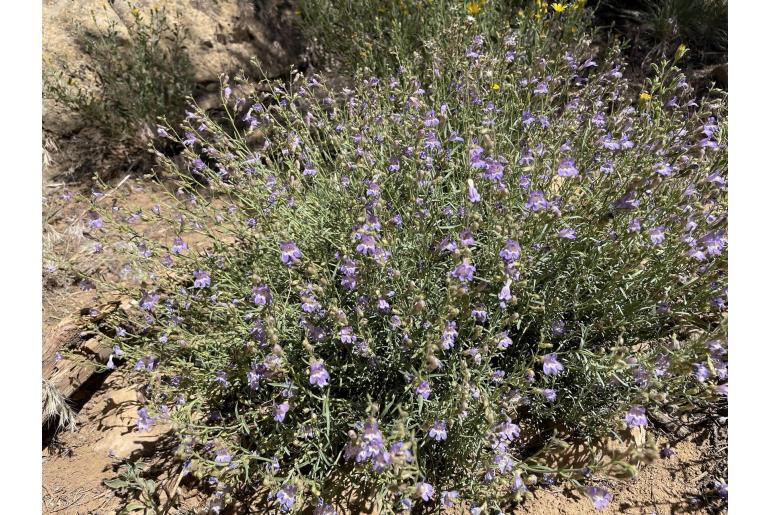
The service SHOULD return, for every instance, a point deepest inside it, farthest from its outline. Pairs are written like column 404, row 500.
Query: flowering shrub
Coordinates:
column 400, row 291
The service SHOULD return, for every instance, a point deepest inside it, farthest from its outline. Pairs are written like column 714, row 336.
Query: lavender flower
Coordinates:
column 551, row 366
column 567, row 233
column 636, row 417
column 260, row 295
column 290, row 253
column 425, row 491
column 286, row 497
column 318, row 374
column 280, row 411
column 599, row 496
column 464, row 271
column 423, row 389
column 657, row 234
column 567, row 168
column 202, row 279
column 438, row 431
column 473, row 194
column 536, row 201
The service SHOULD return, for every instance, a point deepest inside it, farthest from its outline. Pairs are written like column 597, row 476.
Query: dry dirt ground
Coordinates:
column 75, row 463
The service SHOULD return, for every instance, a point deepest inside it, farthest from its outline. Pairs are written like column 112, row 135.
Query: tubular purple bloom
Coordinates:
column 567, row 168
column 318, row 374
column 568, row 233
column 280, row 411
column 223, row 456
column 511, row 252
column 178, row 245
column 448, row 499
column 145, row 422
column 473, row 194
column 636, row 416
column 438, row 431
column 551, row 366
column 425, row 491
column 290, row 253
column 202, row 279
column 657, row 234
column 600, row 497
column 260, row 295
column 536, row 201
column 464, row 271
column 94, row 220
column 423, row 389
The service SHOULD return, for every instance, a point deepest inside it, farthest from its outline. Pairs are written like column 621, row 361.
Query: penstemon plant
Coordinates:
column 404, row 290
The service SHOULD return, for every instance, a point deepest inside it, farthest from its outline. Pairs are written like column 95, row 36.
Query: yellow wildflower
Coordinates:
column 644, row 96
column 473, row 8
column 558, row 7
column 680, row 51
column 495, row 86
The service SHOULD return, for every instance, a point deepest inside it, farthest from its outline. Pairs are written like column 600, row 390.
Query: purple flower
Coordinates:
column 536, row 201
column 223, row 456
column 347, row 336
column 634, row 225
column 551, row 366
column 110, row 365
column 148, row 300
column 540, row 89
column 479, row 313
column 636, row 416
column 145, row 422
column 438, row 430
column 318, row 374
column 511, row 252
column 425, row 491
column 505, row 293
column 627, row 201
column 599, row 496
column 368, row 245
column 664, row 169
column 700, row 372
column 178, row 245
column 449, row 335
column 657, row 234
column 464, row 271
column 94, row 220
column 507, row 430
column 202, row 279
column 423, row 389
column 549, row 394
column 430, row 119
column 714, row 242
column 473, row 194
column 466, row 238
column 568, row 233
column 504, row 341
column 286, row 497
column 448, row 498
column 280, row 411
column 290, row 253
column 260, row 295
column 567, row 168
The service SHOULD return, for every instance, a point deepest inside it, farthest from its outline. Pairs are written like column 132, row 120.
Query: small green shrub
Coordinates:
column 659, row 26
column 408, row 291
column 138, row 79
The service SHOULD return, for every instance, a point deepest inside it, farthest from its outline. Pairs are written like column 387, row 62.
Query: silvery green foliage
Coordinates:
column 408, row 286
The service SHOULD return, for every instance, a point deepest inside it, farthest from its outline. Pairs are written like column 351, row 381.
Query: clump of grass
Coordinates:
column 660, row 26
column 413, row 282
column 138, row 78
column 56, row 408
